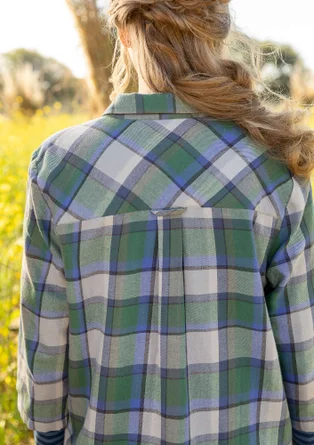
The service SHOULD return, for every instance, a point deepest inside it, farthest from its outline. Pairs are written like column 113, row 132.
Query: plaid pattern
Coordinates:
column 49, row 438
column 167, row 287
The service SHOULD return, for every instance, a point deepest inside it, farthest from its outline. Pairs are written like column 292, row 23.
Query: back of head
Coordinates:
column 182, row 47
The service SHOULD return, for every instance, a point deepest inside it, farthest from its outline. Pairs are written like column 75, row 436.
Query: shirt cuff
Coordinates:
column 49, row 438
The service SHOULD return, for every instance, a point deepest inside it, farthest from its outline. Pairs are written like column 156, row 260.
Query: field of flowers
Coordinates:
column 18, row 139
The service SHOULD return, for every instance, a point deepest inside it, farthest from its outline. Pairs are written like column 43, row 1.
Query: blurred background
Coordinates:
column 55, row 61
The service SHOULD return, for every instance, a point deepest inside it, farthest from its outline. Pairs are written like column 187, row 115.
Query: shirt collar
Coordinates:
column 152, row 103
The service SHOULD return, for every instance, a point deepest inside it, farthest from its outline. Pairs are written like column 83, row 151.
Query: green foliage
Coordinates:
column 282, row 64
column 58, row 82
column 276, row 62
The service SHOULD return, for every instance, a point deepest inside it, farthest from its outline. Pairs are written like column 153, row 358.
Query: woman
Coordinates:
column 167, row 287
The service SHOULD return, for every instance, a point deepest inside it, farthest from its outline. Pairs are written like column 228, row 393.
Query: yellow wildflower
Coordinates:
column 57, row 105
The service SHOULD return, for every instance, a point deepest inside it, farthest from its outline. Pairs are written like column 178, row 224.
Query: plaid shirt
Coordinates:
column 167, row 290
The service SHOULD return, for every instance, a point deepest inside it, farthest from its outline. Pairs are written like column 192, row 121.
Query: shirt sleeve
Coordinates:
column 42, row 362
column 49, row 438
column 290, row 302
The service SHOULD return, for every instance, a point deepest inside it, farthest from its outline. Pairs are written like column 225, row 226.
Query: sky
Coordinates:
column 48, row 27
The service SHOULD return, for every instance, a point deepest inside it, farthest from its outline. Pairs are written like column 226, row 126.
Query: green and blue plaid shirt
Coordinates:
column 167, row 289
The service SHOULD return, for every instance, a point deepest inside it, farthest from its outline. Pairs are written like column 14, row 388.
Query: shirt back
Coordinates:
column 167, row 285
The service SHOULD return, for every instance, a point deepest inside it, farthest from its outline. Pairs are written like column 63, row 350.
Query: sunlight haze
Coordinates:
column 47, row 26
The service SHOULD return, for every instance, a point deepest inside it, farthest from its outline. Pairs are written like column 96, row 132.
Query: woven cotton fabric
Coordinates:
column 167, row 290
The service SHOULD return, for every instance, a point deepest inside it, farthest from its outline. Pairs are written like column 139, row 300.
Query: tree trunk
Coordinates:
column 94, row 34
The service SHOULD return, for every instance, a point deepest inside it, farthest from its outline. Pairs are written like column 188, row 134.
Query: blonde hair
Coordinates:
column 182, row 47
